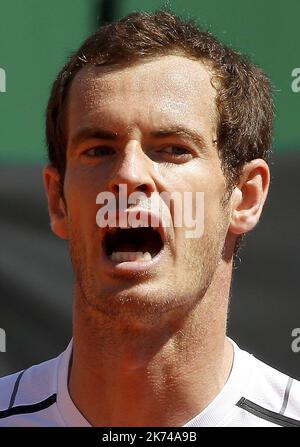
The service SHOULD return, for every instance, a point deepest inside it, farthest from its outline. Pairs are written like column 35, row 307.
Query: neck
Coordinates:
column 161, row 375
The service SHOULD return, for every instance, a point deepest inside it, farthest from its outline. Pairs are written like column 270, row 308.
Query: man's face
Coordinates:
column 132, row 127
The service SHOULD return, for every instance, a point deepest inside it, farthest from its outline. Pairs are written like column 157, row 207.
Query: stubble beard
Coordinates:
column 178, row 291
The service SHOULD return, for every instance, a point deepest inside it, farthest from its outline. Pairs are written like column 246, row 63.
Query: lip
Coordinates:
column 136, row 267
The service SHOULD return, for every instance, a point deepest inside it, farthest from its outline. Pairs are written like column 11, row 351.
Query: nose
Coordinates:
column 134, row 169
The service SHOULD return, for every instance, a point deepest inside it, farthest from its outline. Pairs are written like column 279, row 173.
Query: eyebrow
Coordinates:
column 182, row 132
column 97, row 133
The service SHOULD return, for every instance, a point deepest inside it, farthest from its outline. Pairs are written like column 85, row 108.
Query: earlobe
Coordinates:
column 56, row 206
column 249, row 196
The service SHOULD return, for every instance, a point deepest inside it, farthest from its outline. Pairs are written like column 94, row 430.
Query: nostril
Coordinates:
column 119, row 188
column 123, row 188
column 144, row 188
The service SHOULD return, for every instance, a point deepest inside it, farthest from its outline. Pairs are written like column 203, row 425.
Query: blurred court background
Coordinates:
column 36, row 37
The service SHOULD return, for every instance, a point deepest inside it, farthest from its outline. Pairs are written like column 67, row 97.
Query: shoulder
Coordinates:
column 272, row 395
column 29, row 385
column 28, row 391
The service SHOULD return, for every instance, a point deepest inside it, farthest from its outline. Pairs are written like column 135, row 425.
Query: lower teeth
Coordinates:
column 123, row 256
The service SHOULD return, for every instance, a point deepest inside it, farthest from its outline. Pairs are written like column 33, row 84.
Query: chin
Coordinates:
column 135, row 300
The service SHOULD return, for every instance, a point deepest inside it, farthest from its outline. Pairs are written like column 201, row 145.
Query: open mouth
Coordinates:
column 132, row 244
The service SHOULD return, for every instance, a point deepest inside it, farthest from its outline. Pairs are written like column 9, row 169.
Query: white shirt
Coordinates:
column 255, row 394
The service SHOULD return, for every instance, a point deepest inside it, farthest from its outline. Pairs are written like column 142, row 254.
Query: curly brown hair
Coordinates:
column 244, row 95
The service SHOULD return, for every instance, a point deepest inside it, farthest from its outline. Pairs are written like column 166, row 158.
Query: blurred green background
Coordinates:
column 36, row 37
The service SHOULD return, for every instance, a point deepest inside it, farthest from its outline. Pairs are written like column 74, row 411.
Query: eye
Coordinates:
column 175, row 150
column 177, row 154
column 99, row 151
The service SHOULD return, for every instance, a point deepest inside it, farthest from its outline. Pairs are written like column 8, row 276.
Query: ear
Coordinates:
column 249, row 196
column 56, row 206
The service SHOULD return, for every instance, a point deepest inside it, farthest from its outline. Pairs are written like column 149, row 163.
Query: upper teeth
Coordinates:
column 119, row 256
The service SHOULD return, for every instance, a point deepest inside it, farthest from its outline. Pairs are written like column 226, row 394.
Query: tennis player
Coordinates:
column 150, row 106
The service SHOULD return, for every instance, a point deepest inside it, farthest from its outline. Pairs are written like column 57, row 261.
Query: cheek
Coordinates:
column 81, row 189
column 205, row 210
column 213, row 185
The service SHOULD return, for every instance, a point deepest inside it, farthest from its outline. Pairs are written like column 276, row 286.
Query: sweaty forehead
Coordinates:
column 169, row 87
